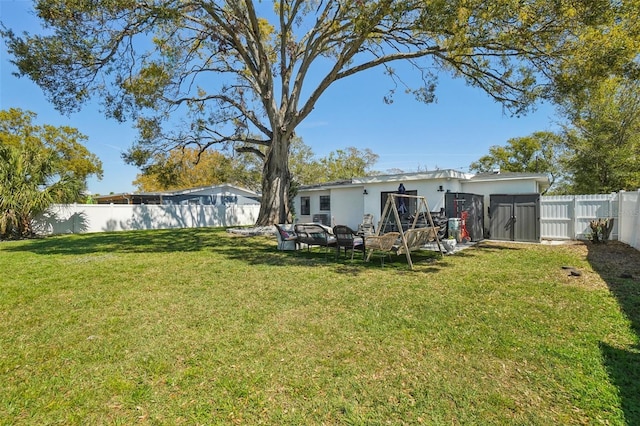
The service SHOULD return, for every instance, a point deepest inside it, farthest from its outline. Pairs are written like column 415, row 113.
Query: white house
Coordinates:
column 214, row 195
column 345, row 202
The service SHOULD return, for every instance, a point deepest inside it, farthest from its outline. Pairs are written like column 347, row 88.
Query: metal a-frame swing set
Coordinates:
column 413, row 238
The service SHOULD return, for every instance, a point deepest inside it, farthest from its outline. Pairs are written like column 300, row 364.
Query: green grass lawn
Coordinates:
column 199, row 326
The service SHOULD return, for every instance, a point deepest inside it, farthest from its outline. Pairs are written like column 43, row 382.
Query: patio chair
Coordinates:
column 367, row 227
column 314, row 234
column 382, row 244
column 349, row 240
column 287, row 238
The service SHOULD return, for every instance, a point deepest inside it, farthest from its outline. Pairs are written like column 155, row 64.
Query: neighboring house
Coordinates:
column 216, row 195
column 346, row 202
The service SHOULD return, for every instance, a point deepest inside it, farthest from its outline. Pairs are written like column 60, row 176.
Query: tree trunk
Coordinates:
column 276, row 179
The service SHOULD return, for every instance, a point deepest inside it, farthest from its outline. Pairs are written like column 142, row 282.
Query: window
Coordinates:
column 325, row 202
column 411, row 203
column 305, row 205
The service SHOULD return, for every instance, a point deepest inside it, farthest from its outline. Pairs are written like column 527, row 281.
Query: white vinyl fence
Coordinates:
column 562, row 217
column 568, row 216
column 81, row 218
column 629, row 218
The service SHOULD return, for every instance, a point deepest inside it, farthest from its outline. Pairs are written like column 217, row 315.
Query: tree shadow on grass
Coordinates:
column 265, row 252
column 619, row 266
column 256, row 250
column 154, row 241
column 623, row 366
column 491, row 245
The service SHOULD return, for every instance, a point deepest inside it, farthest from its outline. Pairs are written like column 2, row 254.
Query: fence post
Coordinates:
column 617, row 226
column 621, row 220
column 574, row 206
column 636, row 240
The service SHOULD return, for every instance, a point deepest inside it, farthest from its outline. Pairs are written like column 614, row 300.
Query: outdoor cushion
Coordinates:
column 287, row 239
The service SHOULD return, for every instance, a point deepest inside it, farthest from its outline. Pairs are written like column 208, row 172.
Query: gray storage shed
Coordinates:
column 515, row 217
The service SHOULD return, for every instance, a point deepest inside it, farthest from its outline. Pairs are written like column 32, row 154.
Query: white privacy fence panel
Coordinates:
column 556, row 217
column 597, row 206
column 568, row 216
column 629, row 218
column 81, row 218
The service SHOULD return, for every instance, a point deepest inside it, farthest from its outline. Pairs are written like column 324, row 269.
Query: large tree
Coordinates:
column 603, row 140
column 540, row 152
column 233, row 69
column 187, row 168
column 39, row 166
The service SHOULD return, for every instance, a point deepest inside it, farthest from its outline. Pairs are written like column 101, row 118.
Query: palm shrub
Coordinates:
column 30, row 182
column 39, row 165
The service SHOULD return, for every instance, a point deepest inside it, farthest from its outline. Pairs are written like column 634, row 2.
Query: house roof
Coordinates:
column 204, row 188
column 434, row 174
column 541, row 178
column 360, row 181
column 127, row 198
column 327, row 185
column 128, row 195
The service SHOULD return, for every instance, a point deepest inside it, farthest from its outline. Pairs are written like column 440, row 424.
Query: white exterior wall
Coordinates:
column 427, row 189
column 629, row 218
column 349, row 203
column 81, row 218
column 314, row 199
column 430, row 190
column 347, row 207
column 489, row 187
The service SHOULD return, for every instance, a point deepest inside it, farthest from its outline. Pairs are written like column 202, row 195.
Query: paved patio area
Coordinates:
column 459, row 247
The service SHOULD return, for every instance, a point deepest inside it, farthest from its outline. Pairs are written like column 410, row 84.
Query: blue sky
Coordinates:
column 451, row 133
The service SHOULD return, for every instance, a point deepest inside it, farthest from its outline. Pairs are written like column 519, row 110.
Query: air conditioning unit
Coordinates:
column 321, row 218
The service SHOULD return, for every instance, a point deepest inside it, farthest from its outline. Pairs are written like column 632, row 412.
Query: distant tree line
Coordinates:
column 188, row 167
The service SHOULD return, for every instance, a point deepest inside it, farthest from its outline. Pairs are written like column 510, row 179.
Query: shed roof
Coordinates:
column 541, row 178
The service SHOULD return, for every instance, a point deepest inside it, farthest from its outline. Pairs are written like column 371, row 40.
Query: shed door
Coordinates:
column 515, row 217
column 527, row 220
column 501, row 218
